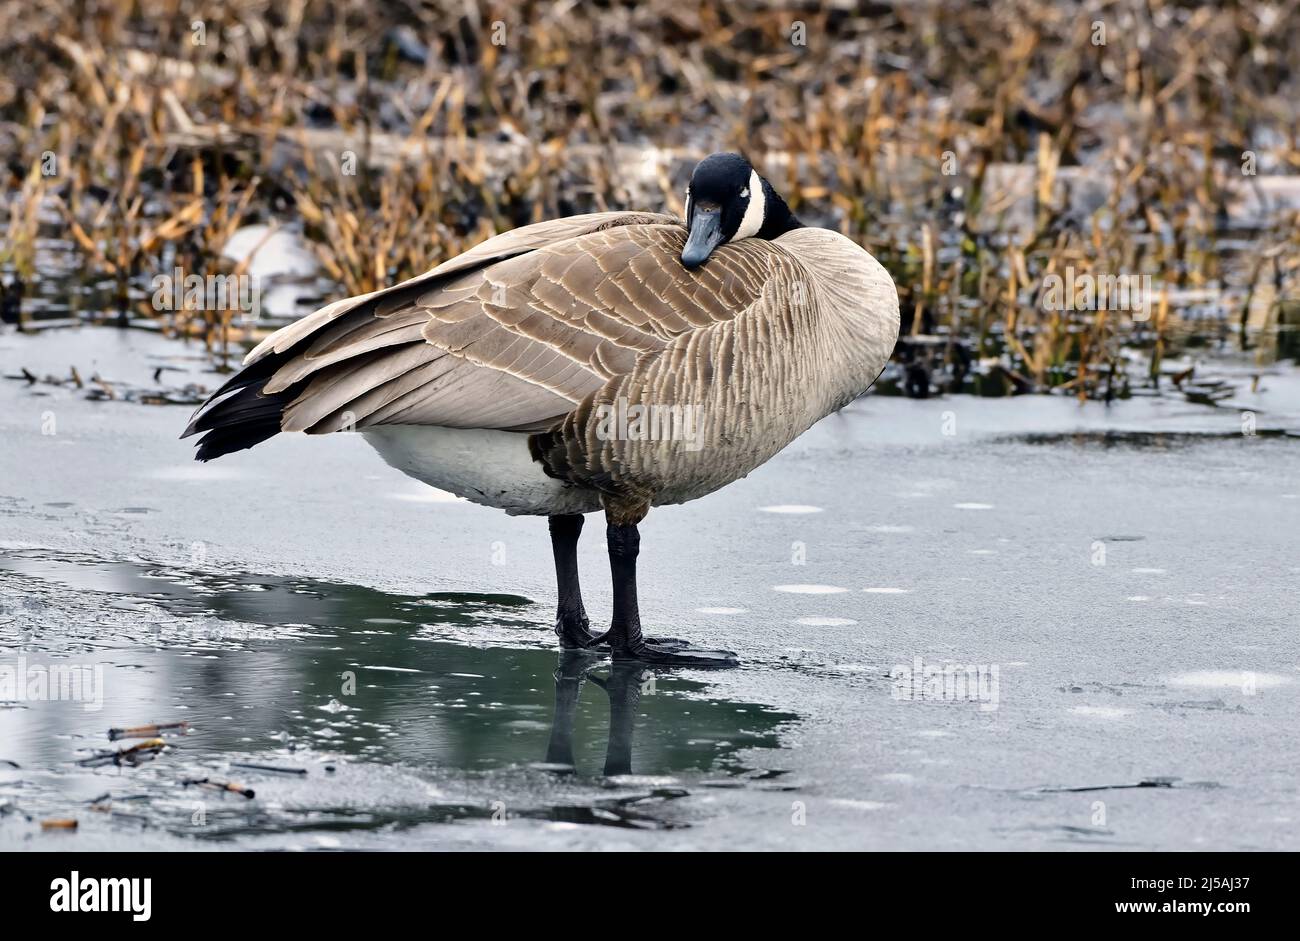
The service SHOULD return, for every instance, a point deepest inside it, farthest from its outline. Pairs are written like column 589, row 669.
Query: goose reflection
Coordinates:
column 623, row 686
column 430, row 691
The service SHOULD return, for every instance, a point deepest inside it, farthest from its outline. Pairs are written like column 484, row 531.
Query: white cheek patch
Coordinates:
column 754, row 211
column 686, row 210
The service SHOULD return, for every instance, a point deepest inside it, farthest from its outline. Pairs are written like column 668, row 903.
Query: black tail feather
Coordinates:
column 239, row 415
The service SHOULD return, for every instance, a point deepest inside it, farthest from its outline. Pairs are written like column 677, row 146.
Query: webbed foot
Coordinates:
column 654, row 654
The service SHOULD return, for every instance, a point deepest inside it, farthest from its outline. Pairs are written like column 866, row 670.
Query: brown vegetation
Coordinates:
column 975, row 150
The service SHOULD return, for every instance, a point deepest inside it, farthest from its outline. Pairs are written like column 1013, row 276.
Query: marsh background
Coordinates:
column 976, row 149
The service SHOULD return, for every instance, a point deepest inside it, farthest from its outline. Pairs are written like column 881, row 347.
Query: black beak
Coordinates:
column 705, row 235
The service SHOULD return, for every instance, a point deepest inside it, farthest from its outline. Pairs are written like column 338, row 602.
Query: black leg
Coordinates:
column 625, row 638
column 626, row 642
column 571, row 622
column 570, row 616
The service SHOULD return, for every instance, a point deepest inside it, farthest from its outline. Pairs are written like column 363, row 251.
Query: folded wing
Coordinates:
column 509, row 335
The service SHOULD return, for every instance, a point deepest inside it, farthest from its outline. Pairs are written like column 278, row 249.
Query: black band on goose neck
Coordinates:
column 777, row 217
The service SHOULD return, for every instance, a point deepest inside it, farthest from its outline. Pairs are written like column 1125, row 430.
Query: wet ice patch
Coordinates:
column 1145, row 571
column 927, row 488
column 887, row 591
column 972, row 506
column 720, row 610
column 810, row 589
column 790, row 508
column 1228, row 679
column 825, row 622
column 858, row 804
column 889, row 528
column 1100, row 712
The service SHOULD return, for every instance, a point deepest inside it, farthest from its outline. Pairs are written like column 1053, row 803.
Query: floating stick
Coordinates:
column 146, row 731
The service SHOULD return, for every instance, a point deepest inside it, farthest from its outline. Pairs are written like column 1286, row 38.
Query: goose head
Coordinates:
column 727, row 201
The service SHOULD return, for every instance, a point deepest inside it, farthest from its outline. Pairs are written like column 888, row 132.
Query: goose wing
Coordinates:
column 510, row 335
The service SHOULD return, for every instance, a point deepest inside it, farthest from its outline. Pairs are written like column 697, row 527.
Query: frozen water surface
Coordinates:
column 1131, row 640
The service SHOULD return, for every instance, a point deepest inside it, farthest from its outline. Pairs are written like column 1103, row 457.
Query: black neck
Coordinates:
column 777, row 217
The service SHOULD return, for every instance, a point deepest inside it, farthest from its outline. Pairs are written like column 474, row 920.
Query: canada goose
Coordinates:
column 594, row 362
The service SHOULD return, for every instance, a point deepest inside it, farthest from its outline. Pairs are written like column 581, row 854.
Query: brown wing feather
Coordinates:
column 518, row 342
column 499, row 247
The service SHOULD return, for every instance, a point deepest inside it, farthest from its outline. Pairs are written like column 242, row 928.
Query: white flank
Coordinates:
column 492, row 468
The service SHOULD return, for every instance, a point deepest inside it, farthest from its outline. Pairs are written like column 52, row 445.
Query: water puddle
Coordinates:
column 265, row 600
column 341, row 708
